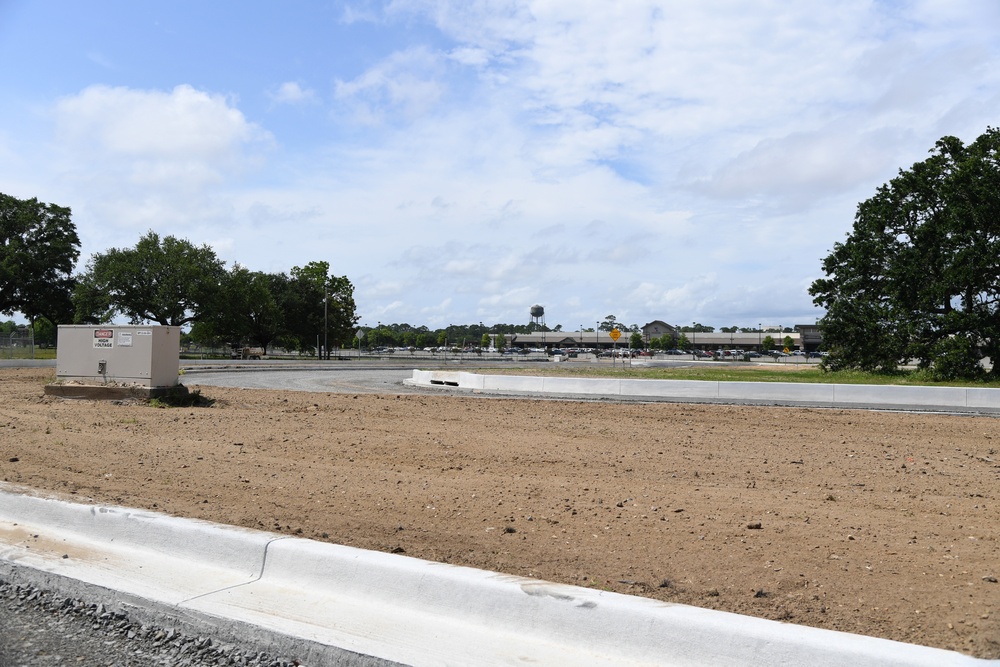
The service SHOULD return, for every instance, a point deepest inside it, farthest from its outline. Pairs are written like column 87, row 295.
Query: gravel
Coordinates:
column 40, row 627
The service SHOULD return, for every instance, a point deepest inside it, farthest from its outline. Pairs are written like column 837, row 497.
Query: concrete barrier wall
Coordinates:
column 846, row 395
column 894, row 395
column 589, row 386
column 777, row 391
column 238, row 549
column 982, row 398
column 512, row 383
column 144, row 554
column 674, row 388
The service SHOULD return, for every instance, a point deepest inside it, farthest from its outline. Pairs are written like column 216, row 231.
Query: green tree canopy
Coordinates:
column 919, row 275
column 610, row 322
column 169, row 281
column 249, row 310
column 311, row 285
column 39, row 247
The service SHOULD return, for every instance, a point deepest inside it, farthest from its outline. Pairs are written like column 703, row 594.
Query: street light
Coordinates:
column 326, row 321
column 759, row 325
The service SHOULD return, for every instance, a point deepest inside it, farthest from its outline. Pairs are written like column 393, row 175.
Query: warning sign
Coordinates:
column 124, row 339
column 615, row 334
column 104, row 338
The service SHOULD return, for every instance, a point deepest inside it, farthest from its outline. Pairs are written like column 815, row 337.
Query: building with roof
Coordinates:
column 806, row 337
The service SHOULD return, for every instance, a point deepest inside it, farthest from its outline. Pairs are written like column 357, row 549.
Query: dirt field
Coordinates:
column 874, row 523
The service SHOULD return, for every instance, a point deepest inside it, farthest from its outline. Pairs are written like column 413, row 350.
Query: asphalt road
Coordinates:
column 336, row 380
column 386, row 378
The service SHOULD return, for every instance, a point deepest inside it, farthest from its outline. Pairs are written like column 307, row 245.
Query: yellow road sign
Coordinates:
column 615, row 334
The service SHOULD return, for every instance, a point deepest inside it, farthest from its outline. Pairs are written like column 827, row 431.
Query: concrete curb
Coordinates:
column 330, row 602
column 27, row 363
column 963, row 399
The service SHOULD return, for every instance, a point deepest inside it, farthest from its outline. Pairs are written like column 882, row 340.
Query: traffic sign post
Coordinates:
column 614, row 334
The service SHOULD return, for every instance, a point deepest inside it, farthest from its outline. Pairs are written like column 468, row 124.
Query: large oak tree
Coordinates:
column 918, row 277
column 39, row 247
column 169, row 281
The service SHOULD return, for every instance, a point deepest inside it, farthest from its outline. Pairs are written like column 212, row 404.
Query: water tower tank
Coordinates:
column 538, row 314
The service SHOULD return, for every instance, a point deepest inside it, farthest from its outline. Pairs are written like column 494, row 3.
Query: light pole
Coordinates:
column 759, row 325
column 326, row 323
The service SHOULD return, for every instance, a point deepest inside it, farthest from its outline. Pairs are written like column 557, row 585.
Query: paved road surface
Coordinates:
column 340, row 381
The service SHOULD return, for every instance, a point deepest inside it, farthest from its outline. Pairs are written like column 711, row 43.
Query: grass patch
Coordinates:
column 27, row 353
column 180, row 397
column 733, row 373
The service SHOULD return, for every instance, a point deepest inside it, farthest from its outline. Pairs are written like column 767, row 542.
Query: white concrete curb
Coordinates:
column 372, row 608
column 839, row 395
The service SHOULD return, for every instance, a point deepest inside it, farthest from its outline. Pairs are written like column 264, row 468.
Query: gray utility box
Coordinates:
column 147, row 356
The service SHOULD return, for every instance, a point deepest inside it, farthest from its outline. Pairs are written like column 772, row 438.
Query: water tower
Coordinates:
column 538, row 315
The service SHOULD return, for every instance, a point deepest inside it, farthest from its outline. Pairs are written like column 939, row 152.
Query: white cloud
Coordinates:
column 803, row 166
column 404, row 84
column 184, row 124
column 291, row 92
column 153, row 154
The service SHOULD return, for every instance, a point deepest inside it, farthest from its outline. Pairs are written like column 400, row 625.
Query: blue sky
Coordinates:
column 463, row 161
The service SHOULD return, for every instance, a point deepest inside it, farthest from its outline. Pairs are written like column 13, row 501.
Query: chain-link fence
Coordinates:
column 18, row 344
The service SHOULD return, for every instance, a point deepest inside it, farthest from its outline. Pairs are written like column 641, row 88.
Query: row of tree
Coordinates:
column 166, row 280
column 172, row 282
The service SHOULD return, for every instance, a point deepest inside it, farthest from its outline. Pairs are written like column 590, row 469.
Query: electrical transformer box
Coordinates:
column 147, row 356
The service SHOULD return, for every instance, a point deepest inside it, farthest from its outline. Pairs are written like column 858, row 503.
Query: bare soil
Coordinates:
column 882, row 524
